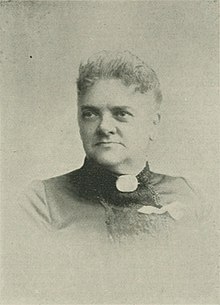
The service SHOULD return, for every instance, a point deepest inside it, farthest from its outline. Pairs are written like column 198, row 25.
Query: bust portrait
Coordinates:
column 112, row 230
column 112, row 141
column 119, row 101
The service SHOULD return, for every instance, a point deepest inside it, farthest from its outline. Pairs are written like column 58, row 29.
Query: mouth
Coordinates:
column 108, row 143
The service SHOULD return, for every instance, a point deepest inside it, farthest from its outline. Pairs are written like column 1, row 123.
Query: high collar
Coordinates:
column 96, row 181
column 93, row 168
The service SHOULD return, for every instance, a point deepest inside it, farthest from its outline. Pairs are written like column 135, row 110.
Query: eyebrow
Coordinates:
column 89, row 107
column 123, row 107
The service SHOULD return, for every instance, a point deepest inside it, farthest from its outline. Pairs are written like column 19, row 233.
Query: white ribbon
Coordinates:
column 176, row 210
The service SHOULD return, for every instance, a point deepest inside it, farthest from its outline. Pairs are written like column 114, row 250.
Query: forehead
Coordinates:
column 114, row 93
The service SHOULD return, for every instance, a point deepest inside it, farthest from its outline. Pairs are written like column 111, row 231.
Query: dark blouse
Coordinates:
column 78, row 240
column 88, row 196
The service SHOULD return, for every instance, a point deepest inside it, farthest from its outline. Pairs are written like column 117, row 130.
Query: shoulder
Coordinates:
column 50, row 202
column 61, row 183
column 166, row 184
column 33, row 204
column 178, row 190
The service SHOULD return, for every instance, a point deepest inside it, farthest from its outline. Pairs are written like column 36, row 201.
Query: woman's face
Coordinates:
column 116, row 122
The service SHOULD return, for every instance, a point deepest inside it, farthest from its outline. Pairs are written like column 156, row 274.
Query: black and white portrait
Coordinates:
column 110, row 185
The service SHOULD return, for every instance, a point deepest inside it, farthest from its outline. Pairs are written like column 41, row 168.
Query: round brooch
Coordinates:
column 126, row 183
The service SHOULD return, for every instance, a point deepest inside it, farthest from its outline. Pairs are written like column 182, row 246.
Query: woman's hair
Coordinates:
column 124, row 66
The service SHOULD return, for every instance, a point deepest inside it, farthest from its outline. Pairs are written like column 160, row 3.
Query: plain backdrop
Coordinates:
column 42, row 44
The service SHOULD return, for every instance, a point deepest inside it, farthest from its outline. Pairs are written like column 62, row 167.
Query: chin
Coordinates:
column 108, row 160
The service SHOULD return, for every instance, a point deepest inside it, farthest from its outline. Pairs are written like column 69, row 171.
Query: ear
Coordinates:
column 156, row 122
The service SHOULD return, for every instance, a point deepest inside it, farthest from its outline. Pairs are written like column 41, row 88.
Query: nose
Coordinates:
column 107, row 125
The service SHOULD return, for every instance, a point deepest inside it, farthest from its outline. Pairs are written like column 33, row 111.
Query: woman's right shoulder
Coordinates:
column 40, row 198
column 32, row 202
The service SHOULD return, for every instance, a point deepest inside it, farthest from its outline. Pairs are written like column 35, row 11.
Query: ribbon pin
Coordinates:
column 175, row 209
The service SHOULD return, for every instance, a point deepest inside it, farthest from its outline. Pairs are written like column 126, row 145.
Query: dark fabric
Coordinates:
column 61, row 248
column 122, row 217
column 88, row 198
column 96, row 182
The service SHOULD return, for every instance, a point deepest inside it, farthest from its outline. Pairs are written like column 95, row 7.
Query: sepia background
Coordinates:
column 42, row 44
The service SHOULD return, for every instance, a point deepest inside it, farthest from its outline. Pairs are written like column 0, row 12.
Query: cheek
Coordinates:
column 137, row 136
column 85, row 128
column 139, row 130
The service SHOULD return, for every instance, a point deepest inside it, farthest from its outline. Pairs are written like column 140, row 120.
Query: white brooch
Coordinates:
column 175, row 209
column 126, row 183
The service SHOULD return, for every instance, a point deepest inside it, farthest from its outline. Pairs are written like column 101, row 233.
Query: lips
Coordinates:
column 108, row 143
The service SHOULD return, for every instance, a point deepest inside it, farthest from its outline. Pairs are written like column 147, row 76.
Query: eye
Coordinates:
column 122, row 115
column 88, row 114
